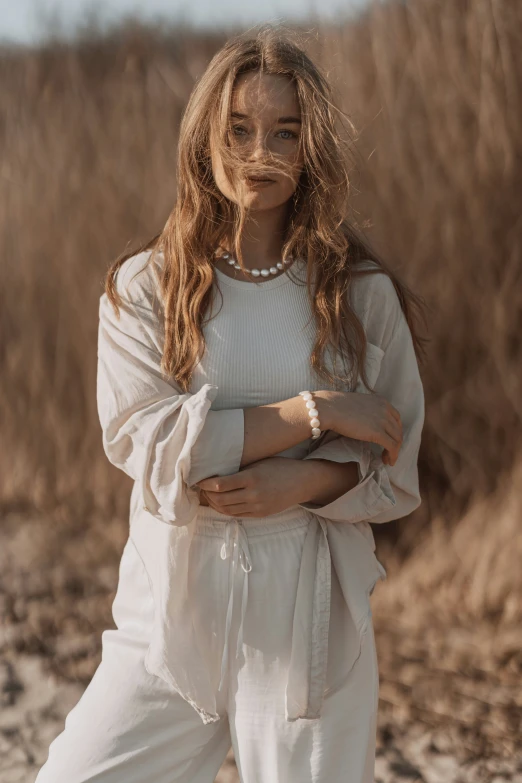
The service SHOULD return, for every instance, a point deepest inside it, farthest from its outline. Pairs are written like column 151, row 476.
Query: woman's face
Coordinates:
column 265, row 121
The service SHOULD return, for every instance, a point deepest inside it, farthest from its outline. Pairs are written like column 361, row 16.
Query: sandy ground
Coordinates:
column 450, row 698
column 35, row 703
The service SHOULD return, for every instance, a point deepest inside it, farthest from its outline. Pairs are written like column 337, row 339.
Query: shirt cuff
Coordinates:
column 219, row 443
column 370, row 496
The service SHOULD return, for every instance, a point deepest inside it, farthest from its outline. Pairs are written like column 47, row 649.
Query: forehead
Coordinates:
column 257, row 92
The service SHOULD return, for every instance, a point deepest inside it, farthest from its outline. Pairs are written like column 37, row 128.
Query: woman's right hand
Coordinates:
column 367, row 417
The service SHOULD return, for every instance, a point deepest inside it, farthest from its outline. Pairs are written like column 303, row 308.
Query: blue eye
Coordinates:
column 292, row 135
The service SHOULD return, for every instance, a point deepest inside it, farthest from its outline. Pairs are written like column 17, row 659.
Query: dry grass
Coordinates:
column 89, row 135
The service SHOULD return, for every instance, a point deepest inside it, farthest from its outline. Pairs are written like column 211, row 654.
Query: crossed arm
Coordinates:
column 168, row 440
column 265, row 484
column 276, row 483
column 333, row 479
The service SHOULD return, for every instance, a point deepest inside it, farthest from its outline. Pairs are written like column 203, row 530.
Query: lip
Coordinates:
column 255, row 182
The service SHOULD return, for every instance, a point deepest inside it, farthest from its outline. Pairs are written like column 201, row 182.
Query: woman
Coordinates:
column 242, row 610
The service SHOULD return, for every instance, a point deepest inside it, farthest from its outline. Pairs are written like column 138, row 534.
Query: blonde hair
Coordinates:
column 317, row 229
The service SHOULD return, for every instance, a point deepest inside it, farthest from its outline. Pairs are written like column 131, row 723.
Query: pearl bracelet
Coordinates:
column 313, row 413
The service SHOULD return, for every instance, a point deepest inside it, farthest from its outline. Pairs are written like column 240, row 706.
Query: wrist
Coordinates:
column 331, row 480
column 324, row 402
column 314, row 475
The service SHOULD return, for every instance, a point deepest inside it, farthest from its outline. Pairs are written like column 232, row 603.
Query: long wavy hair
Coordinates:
column 317, row 229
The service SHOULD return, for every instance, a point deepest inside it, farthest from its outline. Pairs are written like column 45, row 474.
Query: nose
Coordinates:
column 258, row 147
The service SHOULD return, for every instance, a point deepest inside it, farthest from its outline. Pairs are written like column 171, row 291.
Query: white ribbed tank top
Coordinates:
column 258, row 343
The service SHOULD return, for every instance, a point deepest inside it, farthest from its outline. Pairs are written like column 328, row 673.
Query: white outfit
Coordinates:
column 238, row 629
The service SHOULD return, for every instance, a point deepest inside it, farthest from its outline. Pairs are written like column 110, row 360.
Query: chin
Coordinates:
column 260, row 201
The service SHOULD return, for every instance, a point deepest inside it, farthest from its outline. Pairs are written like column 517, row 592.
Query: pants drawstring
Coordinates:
column 235, row 544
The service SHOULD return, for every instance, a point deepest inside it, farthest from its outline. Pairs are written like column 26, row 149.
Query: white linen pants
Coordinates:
column 132, row 727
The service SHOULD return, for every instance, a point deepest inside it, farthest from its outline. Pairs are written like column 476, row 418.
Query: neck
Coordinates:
column 261, row 241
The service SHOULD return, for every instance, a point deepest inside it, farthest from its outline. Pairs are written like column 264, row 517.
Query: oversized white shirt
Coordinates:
column 258, row 344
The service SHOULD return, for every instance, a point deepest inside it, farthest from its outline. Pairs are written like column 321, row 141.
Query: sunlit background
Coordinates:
column 27, row 21
column 90, row 107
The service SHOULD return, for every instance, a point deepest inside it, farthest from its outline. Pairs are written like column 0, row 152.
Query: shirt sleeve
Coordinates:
column 162, row 437
column 383, row 492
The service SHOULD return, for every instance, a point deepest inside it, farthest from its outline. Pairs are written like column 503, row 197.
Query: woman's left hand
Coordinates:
column 262, row 488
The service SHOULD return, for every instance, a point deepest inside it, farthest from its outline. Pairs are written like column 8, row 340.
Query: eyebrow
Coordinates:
column 288, row 119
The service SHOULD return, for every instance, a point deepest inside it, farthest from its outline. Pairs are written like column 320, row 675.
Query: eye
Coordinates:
column 292, row 134
column 238, row 130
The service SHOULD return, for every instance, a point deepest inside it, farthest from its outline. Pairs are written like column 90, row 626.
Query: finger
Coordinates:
column 394, row 431
column 387, row 436
column 223, row 483
column 389, row 458
column 243, row 510
column 392, row 446
column 210, row 505
column 394, row 416
column 225, row 499
column 395, row 413
column 230, row 509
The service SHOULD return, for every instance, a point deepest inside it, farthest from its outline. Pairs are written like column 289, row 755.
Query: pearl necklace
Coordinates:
column 273, row 270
